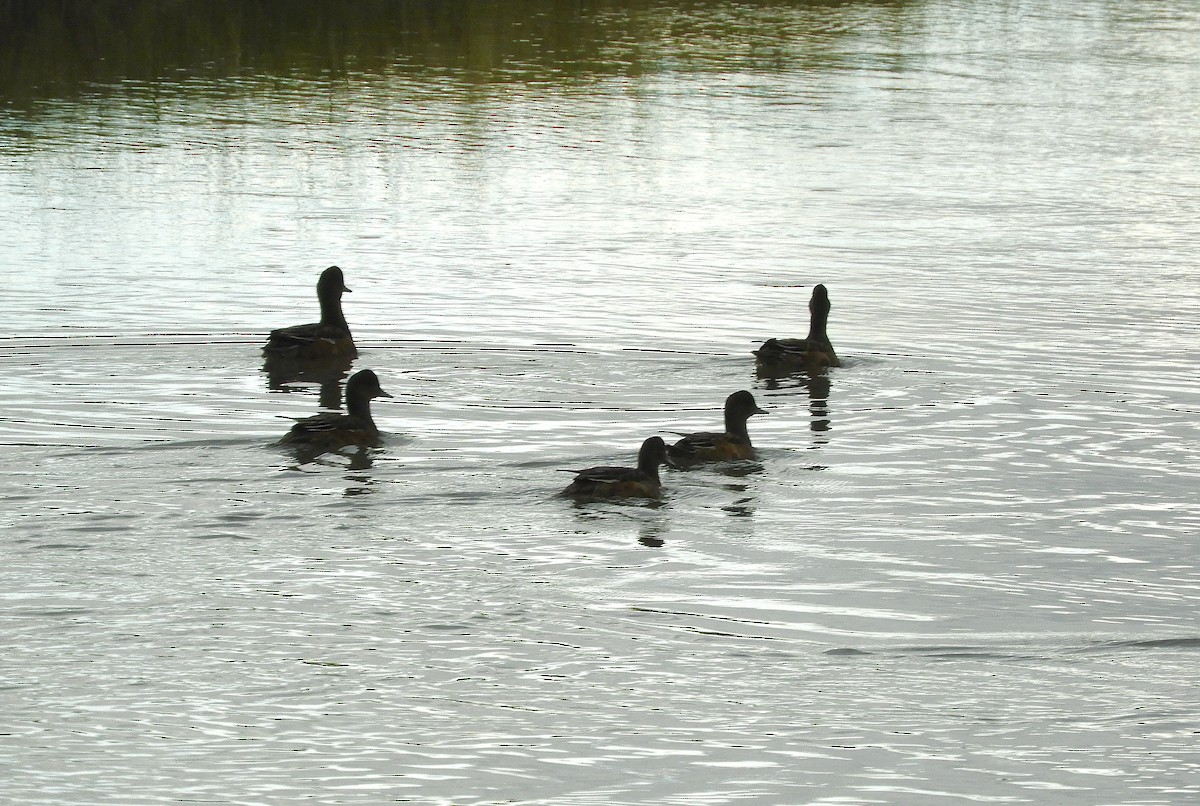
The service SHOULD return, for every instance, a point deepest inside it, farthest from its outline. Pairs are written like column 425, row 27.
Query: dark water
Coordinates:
column 963, row 568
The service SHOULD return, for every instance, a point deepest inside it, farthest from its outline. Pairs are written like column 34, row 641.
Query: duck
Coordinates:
column 622, row 482
column 710, row 446
column 331, row 430
column 328, row 339
column 814, row 353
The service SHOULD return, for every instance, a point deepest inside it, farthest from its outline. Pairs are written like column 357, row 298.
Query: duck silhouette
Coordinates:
column 622, row 482
column 814, row 353
column 328, row 339
column 712, row 446
column 331, row 430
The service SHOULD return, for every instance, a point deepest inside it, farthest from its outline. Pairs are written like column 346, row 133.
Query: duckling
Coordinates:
column 622, row 482
column 709, row 446
column 814, row 353
column 327, row 339
column 331, row 430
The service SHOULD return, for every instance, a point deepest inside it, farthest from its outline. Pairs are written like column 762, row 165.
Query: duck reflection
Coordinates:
column 817, row 388
column 353, row 458
column 742, row 507
column 286, row 374
column 360, row 483
column 818, row 404
column 651, row 533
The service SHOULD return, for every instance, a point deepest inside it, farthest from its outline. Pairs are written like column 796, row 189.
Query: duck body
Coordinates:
column 332, row 430
column 814, row 353
column 328, row 339
column 794, row 355
column 622, row 482
column 730, row 445
column 311, row 342
column 711, row 446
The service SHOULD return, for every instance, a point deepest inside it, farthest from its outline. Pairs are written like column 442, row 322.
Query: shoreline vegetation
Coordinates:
column 51, row 48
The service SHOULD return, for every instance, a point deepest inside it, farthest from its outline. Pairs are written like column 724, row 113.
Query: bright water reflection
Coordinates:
column 963, row 564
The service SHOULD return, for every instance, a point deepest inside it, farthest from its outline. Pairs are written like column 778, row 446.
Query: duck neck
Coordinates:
column 359, row 408
column 817, row 324
column 648, row 466
column 331, row 311
column 736, row 425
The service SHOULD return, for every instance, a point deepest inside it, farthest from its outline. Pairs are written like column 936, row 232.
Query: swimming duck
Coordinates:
column 622, row 482
column 709, row 446
column 329, row 338
column 814, row 353
column 331, row 430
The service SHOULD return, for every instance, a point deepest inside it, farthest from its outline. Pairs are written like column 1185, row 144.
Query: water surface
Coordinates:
column 962, row 569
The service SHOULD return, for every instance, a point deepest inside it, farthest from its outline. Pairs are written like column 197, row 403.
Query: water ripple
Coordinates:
column 961, row 565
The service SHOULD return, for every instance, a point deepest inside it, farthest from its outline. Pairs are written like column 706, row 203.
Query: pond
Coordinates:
column 962, row 566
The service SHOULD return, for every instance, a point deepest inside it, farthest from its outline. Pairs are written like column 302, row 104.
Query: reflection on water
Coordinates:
column 362, row 484
column 742, row 507
column 651, row 534
column 817, row 387
column 818, row 406
column 286, row 375
column 569, row 224
column 350, row 457
column 47, row 49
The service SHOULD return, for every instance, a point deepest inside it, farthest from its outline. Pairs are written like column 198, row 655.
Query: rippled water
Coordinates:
column 963, row 568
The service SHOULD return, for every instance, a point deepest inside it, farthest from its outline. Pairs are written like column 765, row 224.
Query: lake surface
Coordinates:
column 963, row 569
